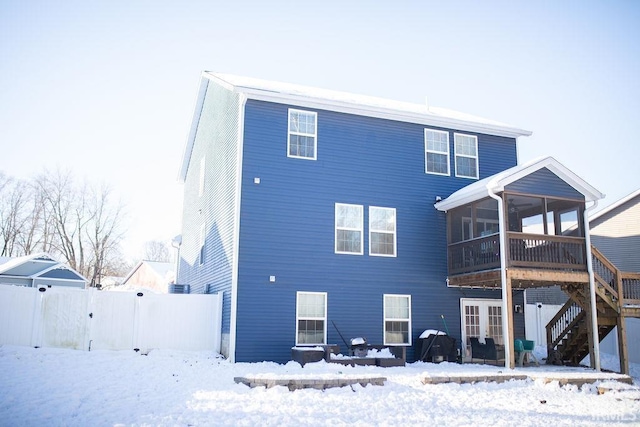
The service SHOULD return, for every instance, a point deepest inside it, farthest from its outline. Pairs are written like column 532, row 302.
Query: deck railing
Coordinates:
column 482, row 253
column 620, row 285
column 562, row 323
column 543, row 251
column 525, row 250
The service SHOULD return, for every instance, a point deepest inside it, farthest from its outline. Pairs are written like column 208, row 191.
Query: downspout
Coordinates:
column 592, row 288
column 503, row 271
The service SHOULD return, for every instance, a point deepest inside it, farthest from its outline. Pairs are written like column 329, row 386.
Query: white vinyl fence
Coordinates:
column 88, row 319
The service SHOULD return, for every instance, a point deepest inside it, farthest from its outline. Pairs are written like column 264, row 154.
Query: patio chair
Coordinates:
column 524, row 348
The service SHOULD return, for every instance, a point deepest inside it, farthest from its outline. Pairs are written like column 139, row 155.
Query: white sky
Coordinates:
column 108, row 88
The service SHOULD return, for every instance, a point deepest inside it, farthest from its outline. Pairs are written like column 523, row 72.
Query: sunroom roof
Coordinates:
column 496, row 183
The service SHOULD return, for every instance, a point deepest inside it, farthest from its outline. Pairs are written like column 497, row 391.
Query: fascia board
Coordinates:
column 614, row 205
column 383, row 113
column 195, row 121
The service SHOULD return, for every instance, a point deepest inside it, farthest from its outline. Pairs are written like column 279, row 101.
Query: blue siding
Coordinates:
column 545, row 182
column 287, row 228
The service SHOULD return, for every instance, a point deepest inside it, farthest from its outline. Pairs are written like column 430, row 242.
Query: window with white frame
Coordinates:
column 349, row 224
column 311, row 318
column 203, row 231
column 201, row 178
column 302, row 137
column 466, row 153
column 382, row 231
column 436, row 144
column 397, row 319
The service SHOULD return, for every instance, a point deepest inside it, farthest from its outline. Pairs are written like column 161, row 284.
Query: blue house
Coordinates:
column 312, row 211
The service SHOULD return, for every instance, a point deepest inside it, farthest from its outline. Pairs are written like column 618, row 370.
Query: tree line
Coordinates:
column 73, row 220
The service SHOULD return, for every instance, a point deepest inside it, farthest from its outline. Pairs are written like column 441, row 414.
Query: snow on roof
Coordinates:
column 14, row 262
column 363, row 104
column 312, row 97
column 614, row 205
column 496, row 183
column 165, row 270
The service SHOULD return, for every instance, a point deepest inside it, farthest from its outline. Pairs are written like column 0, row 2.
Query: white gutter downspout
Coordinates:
column 592, row 288
column 503, row 272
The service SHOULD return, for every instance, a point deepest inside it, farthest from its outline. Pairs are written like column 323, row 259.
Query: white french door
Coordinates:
column 481, row 318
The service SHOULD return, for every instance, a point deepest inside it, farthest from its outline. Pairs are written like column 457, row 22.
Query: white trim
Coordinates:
column 309, row 97
column 324, row 319
column 305, row 134
column 233, row 321
column 395, row 232
column 467, row 156
column 393, row 319
column 496, row 183
column 360, row 229
column 614, row 205
column 427, row 151
column 203, row 85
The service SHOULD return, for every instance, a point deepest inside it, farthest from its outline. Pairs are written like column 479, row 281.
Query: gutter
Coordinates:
column 592, row 289
column 503, row 274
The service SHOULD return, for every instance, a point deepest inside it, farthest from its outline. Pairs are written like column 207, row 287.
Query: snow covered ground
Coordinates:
column 167, row 388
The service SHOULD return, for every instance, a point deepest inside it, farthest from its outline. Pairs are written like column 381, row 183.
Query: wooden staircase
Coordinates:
column 617, row 297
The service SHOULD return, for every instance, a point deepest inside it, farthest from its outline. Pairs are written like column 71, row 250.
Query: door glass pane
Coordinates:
column 472, row 321
column 494, row 324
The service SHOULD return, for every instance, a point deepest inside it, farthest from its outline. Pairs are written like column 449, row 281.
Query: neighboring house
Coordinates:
column 615, row 231
column 152, row 275
column 38, row 270
column 313, row 210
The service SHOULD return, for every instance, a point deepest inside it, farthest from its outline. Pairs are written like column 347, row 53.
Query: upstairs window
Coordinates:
column 382, row 231
column 436, row 144
column 349, row 225
column 397, row 319
column 311, row 318
column 466, row 152
column 301, row 142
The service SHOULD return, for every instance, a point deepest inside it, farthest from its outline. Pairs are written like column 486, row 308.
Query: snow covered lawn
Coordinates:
column 166, row 388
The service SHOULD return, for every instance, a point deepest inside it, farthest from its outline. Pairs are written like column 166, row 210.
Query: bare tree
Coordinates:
column 156, row 250
column 13, row 200
column 104, row 231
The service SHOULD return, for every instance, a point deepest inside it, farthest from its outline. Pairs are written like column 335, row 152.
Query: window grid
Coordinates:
column 311, row 318
column 302, row 135
column 382, row 231
column 349, row 229
column 397, row 319
column 466, row 155
column 436, row 152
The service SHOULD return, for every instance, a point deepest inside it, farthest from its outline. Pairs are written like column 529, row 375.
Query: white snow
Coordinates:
column 56, row 387
column 428, row 332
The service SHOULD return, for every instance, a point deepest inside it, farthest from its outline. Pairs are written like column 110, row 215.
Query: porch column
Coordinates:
column 621, row 326
column 507, row 313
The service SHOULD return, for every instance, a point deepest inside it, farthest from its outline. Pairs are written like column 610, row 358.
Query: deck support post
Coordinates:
column 621, row 326
column 507, row 311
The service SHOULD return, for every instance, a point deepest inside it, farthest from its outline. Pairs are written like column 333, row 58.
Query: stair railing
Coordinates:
column 562, row 323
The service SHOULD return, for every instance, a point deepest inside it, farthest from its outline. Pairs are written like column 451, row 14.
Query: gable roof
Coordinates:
column 39, row 265
column 311, row 97
column 496, row 183
column 614, row 206
column 162, row 269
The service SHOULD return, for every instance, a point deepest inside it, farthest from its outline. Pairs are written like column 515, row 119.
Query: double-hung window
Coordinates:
column 397, row 319
column 311, row 318
column 382, row 231
column 466, row 152
column 349, row 225
column 302, row 138
column 436, row 144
